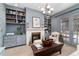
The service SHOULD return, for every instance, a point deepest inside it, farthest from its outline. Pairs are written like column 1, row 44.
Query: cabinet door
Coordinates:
column 10, row 41
column 9, row 38
column 21, row 39
column 10, row 44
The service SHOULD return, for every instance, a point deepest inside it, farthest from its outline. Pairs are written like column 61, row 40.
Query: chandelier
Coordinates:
column 47, row 10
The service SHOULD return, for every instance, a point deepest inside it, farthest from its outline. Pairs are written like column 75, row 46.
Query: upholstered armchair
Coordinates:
column 57, row 37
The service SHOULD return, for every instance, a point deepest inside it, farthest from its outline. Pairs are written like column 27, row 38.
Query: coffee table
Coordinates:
column 45, row 51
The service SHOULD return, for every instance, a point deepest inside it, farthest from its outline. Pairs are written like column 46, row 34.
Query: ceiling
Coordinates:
column 37, row 6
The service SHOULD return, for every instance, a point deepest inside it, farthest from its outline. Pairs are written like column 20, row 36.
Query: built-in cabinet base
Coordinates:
column 14, row 40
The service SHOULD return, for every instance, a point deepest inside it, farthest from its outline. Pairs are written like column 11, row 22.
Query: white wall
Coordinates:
column 2, row 22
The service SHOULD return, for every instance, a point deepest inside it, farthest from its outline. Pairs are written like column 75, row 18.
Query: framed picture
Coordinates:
column 36, row 22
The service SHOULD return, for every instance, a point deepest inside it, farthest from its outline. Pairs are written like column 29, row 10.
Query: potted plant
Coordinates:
column 19, row 30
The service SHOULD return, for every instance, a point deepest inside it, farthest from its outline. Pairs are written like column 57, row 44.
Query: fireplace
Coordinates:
column 32, row 31
column 36, row 36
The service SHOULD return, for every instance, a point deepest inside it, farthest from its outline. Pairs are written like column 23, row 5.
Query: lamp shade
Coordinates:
column 16, row 4
column 51, row 9
column 44, row 12
column 49, row 12
column 42, row 9
column 48, row 6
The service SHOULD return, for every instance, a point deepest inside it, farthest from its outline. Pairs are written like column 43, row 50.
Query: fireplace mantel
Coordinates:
column 35, row 29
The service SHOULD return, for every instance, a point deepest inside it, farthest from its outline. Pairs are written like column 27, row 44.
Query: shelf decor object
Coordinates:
column 36, row 22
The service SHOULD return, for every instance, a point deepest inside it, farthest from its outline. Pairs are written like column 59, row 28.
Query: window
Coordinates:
column 65, row 28
column 65, row 25
column 76, row 30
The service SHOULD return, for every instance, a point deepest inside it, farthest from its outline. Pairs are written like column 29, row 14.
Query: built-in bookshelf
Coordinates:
column 10, row 16
column 15, row 17
column 47, row 25
column 15, row 26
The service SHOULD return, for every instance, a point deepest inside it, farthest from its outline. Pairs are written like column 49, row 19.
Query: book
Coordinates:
column 38, row 46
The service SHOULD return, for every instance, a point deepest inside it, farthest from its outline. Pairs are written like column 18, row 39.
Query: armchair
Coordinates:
column 57, row 37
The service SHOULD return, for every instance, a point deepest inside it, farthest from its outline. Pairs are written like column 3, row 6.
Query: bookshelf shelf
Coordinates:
column 15, row 17
column 8, row 18
column 47, row 25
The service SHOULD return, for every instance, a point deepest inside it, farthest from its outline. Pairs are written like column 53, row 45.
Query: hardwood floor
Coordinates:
column 27, row 51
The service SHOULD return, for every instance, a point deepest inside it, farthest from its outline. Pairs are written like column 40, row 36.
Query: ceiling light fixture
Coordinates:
column 47, row 10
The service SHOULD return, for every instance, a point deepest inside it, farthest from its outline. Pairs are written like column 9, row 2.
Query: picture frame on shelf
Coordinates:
column 36, row 22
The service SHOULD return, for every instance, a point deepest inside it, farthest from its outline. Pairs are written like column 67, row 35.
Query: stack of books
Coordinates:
column 38, row 46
